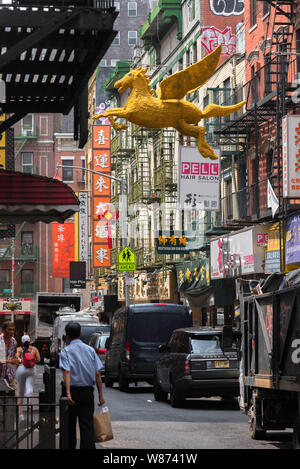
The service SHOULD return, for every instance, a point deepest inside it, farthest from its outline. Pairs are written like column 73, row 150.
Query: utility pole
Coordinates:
column 122, row 216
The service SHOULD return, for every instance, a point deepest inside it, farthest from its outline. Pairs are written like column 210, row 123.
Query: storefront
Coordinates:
column 241, row 254
column 149, row 287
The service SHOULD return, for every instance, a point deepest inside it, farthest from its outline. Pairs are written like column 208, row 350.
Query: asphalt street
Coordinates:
column 139, row 422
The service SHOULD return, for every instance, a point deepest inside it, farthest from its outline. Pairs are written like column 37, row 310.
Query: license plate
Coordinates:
column 222, row 364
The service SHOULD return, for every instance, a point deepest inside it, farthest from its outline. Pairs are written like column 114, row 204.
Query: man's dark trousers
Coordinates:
column 84, row 410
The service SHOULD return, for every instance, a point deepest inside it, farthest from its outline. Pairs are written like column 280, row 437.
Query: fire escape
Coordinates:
column 269, row 97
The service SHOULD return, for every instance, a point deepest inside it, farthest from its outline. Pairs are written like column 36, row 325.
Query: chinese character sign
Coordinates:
column 83, row 227
column 199, row 181
column 101, row 194
column 291, row 156
column 63, row 240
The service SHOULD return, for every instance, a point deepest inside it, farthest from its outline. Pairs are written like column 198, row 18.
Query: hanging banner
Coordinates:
column 77, row 274
column 272, row 199
column 292, row 249
column 291, row 156
column 198, row 181
column 83, row 219
column 63, row 239
column 193, row 275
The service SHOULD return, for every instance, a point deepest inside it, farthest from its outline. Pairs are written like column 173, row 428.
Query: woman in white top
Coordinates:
column 25, row 376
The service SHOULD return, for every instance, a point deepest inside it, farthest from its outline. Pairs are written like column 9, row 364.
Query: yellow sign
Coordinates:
column 2, row 158
column 126, row 260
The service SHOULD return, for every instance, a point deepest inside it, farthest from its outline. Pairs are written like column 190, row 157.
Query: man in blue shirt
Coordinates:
column 81, row 370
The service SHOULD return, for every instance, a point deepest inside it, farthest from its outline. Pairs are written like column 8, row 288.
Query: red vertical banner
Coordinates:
column 63, row 239
column 101, row 190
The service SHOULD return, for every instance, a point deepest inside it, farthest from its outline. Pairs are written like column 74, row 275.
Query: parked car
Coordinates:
column 88, row 326
column 193, row 364
column 98, row 342
column 136, row 332
column 87, row 330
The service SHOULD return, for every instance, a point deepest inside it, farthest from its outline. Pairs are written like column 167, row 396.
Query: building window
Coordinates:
column 266, row 8
column 132, row 38
column 195, row 55
column 27, row 281
column 27, row 242
column 114, row 62
column 192, row 10
column 27, row 162
column 67, row 172
column 188, row 58
column 27, row 125
column 4, row 280
column 116, row 41
column 132, row 9
column 229, row 204
column 103, row 63
column 253, row 12
column 180, row 64
column 83, row 169
column 117, row 6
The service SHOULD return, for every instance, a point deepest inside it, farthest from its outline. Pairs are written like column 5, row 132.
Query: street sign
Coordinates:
column 126, row 260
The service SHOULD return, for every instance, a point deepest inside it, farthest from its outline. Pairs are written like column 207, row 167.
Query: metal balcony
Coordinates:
column 26, row 252
column 161, row 20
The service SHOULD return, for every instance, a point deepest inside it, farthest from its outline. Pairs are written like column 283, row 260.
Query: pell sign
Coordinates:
column 198, row 181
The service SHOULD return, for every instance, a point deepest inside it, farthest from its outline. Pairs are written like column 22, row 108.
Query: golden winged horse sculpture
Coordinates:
column 168, row 108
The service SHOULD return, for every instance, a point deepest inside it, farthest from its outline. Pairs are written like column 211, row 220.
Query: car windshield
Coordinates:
column 206, row 344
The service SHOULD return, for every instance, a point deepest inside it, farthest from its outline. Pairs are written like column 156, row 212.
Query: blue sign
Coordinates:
column 272, row 262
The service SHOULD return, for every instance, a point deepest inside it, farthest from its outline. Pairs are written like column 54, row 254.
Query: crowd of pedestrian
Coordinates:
column 81, row 370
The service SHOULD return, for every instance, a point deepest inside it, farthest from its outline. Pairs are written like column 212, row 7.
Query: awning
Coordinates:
column 32, row 198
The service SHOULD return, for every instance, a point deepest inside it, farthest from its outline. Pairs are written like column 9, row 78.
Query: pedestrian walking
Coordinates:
column 8, row 363
column 27, row 357
column 81, row 371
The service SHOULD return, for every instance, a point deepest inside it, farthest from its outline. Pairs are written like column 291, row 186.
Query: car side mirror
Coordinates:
column 226, row 342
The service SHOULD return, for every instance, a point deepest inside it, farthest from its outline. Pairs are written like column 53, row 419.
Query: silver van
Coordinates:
column 89, row 325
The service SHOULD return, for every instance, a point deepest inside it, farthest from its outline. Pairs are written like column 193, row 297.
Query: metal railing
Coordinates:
column 98, row 4
column 249, row 202
column 45, row 424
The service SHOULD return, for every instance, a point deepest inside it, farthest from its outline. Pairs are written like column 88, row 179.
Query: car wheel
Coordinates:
column 256, row 432
column 159, row 394
column 176, row 399
column 296, row 434
column 123, row 382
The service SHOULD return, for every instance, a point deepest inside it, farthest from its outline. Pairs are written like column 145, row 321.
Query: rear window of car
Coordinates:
column 155, row 327
column 206, row 344
column 102, row 341
column 87, row 331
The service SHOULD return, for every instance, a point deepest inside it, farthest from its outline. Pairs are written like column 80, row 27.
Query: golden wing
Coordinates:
column 190, row 79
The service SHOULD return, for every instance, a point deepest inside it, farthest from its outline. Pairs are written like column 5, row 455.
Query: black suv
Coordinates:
column 193, row 364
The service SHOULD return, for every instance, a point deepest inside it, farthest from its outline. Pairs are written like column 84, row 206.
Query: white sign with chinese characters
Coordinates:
column 198, row 180
column 83, row 224
column 291, row 156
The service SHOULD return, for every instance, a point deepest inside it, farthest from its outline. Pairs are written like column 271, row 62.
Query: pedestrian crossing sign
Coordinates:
column 126, row 260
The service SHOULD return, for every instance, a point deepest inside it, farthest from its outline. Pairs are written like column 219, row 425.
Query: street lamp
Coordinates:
column 122, row 211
